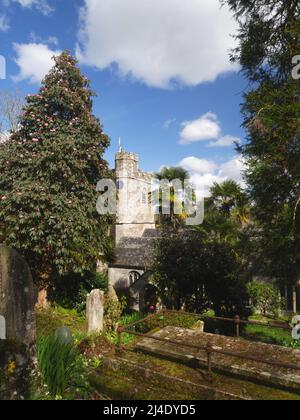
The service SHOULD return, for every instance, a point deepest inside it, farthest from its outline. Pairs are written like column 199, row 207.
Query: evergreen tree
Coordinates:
column 49, row 171
column 268, row 39
column 197, row 273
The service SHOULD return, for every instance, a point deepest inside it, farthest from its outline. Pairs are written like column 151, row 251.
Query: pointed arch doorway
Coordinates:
column 145, row 293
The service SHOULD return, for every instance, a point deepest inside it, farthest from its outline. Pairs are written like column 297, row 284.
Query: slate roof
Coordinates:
column 136, row 252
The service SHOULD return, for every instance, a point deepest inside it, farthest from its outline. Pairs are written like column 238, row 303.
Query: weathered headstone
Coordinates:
column 17, row 297
column 200, row 326
column 64, row 334
column 2, row 328
column 17, row 324
column 95, row 311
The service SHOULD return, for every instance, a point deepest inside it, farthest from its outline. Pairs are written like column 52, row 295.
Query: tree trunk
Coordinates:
column 42, row 302
column 294, row 300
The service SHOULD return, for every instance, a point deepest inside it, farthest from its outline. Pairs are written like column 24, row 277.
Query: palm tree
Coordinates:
column 224, row 195
column 218, row 227
column 231, row 200
column 242, row 209
column 170, row 174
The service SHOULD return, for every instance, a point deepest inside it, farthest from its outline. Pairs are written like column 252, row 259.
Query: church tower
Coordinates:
column 134, row 211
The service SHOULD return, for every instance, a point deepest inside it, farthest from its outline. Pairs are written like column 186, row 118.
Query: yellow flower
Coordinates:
column 11, row 368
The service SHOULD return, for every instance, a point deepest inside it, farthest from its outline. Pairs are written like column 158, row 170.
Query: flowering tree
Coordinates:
column 49, row 171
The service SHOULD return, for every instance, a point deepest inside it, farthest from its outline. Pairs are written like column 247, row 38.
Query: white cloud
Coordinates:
column 168, row 123
column 233, row 169
column 36, row 39
column 4, row 24
column 206, row 127
column 42, row 5
column 34, row 61
column 158, row 42
column 203, row 183
column 225, row 141
column 204, row 173
column 200, row 166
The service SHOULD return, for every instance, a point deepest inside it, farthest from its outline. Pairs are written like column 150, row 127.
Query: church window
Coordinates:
column 133, row 277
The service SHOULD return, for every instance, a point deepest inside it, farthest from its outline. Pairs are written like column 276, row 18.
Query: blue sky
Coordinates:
column 160, row 69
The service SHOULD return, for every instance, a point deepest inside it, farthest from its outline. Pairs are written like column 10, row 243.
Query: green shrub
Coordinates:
column 70, row 291
column 113, row 310
column 56, row 361
column 266, row 298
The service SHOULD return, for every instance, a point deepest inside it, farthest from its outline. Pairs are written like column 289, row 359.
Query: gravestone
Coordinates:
column 199, row 326
column 17, row 297
column 17, row 324
column 2, row 328
column 64, row 334
column 95, row 311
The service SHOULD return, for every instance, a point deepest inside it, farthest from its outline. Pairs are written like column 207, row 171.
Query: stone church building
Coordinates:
column 135, row 231
column 136, row 235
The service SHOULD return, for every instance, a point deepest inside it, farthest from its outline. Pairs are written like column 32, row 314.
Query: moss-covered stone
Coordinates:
column 244, row 368
column 15, row 368
column 136, row 376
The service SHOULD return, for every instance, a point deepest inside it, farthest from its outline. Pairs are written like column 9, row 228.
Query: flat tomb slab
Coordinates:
column 288, row 378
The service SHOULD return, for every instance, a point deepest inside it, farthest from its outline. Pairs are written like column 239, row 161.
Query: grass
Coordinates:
column 264, row 334
column 268, row 335
column 181, row 320
column 54, row 317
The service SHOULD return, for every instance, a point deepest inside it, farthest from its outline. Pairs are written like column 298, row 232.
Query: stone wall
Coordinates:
column 119, row 277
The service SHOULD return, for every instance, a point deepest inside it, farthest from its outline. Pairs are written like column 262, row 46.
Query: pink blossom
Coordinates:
column 35, row 140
